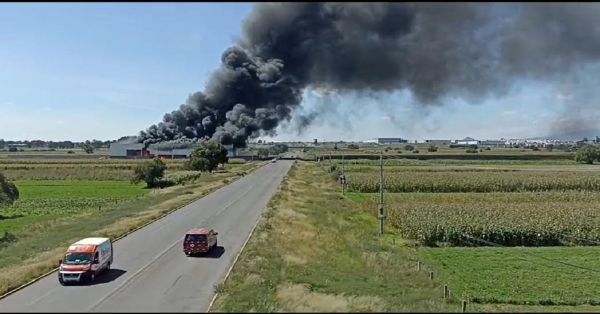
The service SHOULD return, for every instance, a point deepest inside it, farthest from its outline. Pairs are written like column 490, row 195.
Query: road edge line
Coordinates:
column 34, row 280
column 240, row 252
column 234, row 262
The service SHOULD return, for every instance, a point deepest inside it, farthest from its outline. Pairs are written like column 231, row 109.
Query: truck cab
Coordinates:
column 85, row 259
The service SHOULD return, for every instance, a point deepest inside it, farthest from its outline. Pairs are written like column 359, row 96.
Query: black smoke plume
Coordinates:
column 471, row 51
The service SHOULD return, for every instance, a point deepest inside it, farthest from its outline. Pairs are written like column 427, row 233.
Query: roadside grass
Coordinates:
column 526, row 276
column 40, row 244
column 315, row 251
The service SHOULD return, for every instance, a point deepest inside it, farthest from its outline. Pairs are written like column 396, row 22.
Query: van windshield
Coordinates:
column 77, row 258
column 195, row 237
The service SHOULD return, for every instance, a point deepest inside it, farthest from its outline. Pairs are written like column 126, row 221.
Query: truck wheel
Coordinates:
column 108, row 267
column 92, row 276
column 61, row 280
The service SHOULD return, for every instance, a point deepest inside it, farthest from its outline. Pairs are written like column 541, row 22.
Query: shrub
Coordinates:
column 587, row 154
column 8, row 191
column 207, row 157
column 150, row 171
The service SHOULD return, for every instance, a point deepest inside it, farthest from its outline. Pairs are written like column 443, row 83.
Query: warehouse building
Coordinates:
column 162, row 150
column 391, row 140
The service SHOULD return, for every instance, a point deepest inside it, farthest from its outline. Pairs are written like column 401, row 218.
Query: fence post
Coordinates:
column 464, row 306
column 445, row 291
column 418, row 265
column 430, row 275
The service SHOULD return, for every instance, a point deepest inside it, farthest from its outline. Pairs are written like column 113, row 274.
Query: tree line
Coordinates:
column 205, row 158
column 40, row 144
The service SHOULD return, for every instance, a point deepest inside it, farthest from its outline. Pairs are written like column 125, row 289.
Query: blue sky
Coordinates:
column 100, row 71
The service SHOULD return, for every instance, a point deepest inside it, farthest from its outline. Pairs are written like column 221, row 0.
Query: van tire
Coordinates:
column 60, row 280
column 107, row 267
column 92, row 276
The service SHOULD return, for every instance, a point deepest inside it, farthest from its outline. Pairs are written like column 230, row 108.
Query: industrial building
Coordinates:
column 138, row 150
column 439, row 142
column 128, row 150
column 391, row 140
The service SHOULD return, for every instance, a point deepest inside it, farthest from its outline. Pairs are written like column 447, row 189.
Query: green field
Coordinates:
column 42, row 201
column 535, row 276
column 75, row 169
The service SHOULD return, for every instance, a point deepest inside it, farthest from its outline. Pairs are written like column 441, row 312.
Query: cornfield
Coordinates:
column 515, row 219
column 474, row 181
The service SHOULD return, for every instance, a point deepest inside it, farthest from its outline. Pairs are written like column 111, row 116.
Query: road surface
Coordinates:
column 150, row 271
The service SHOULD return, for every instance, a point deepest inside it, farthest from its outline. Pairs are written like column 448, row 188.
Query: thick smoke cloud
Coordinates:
column 470, row 51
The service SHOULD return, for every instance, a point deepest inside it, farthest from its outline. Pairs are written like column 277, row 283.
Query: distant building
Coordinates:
column 466, row 142
column 391, row 140
column 494, row 143
column 127, row 150
column 161, row 150
column 438, row 142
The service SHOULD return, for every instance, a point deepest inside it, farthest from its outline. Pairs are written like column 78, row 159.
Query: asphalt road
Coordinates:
column 150, row 272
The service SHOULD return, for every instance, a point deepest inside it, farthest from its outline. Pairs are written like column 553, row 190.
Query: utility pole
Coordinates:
column 381, row 210
column 343, row 176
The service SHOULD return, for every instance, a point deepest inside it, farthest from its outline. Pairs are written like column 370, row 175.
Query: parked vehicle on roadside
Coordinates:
column 199, row 241
column 85, row 259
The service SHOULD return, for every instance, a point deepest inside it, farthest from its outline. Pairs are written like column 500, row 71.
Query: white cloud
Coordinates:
column 508, row 113
column 562, row 96
column 323, row 91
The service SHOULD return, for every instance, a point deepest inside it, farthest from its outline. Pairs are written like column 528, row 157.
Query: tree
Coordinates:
column 278, row 149
column 335, row 146
column 262, row 152
column 353, row 146
column 432, row 149
column 409, row 147
column 208, row 157
column 88, row 147
column 587, row 154
column 97, row 144
column 150, row 171
column 8, row 191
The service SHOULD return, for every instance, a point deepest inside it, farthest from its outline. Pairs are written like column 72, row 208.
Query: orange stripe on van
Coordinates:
column 82, row 248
